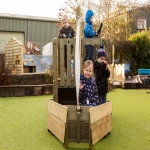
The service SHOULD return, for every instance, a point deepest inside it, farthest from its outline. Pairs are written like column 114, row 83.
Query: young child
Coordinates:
column 66, row 31
column 89, row 33
column 88, row 94
column 101, row 74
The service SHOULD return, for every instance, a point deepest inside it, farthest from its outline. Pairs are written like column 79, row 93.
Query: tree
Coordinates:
column 113, row 14
column 141, row 52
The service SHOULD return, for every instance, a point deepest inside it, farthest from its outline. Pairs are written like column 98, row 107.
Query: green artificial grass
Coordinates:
column 23, row 123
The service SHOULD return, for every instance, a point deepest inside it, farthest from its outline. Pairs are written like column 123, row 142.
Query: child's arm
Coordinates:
column 81, row 94
column 81, row 85
column 73, row 33
column 61, row 34
column 107, row 73
column 89, row 31
column 99, row 69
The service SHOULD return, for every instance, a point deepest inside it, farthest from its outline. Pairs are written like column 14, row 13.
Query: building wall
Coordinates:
column 140, row 12
column 5, row 37
column 39, row 31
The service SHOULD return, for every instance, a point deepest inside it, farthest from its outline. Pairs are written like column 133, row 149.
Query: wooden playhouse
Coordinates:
column 14, row 56
column 67, row 121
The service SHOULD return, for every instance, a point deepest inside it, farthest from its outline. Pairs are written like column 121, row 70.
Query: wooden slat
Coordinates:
column 101, row 128
column 85, row 113
column 62, row 68
column 73, row 83
column 9, row 54
column 58, row 110
column 68, row 63
column 57, row 127
column 99, row 112
column 55, row 70
column 72, row 131
column 12, row 63
column 16, row 53
column 13, row 48
column 72, row 113
column 91, row 41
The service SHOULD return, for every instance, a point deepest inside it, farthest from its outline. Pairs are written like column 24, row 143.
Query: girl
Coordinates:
column 88, row 94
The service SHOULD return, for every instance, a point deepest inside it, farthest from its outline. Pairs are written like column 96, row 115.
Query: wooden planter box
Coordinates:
column 85, row 124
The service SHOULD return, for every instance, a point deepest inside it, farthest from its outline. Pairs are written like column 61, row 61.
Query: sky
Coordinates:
column 43, row 8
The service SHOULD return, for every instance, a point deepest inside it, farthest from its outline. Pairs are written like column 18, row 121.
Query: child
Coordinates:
column 88, row 94
column 66, row 31
column 101, row 74
column 89, row 33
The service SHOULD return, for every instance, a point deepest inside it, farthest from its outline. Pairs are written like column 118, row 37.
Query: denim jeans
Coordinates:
column 89, row 52
column 102, row 99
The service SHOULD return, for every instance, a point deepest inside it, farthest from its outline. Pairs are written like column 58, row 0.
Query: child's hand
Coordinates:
column 64, row 35
column 81, row 85
column 106, row 62
column 96, row 34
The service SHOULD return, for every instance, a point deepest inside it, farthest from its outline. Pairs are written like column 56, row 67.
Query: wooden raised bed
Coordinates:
column 81, row 124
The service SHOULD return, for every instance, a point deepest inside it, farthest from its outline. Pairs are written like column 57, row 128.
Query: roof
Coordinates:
column 15, row 40
column 26, row 17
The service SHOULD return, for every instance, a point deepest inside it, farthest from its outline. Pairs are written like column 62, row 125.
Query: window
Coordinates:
column 141, row 23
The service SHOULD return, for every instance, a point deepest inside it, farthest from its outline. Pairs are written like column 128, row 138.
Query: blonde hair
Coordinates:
column 64, row 18
column 88, row 63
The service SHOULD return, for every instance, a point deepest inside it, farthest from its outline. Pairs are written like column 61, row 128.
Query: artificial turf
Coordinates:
column 23, row 123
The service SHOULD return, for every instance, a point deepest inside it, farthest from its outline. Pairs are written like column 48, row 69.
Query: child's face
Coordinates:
column 91, row 19
column 65, row 24
column 87, row 72
column 101, row 59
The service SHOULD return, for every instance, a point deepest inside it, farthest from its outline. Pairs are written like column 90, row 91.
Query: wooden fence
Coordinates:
column 117, row 72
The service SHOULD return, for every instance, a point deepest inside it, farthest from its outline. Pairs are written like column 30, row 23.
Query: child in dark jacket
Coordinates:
column 102, row 74
column 89, row 33
column 66, row 31
column 88, row 94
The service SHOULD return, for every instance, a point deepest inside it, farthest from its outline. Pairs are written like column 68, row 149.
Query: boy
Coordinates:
column 102, row 74
column 89, row 33
column 66, row 32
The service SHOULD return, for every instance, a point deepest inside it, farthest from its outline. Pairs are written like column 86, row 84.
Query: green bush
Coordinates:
column 141, row 53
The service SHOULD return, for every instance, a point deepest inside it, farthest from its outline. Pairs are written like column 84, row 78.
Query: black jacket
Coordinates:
column 69, row 32
column 101, row 76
